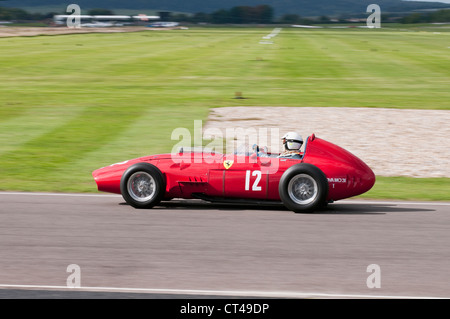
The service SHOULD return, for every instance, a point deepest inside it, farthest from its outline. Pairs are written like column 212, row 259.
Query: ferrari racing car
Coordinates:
column 323, row 173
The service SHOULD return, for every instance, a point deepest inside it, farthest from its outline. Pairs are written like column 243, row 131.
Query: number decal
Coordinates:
column 255, row 187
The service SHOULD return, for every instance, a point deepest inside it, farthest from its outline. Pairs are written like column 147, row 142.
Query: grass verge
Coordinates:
column 408, row 188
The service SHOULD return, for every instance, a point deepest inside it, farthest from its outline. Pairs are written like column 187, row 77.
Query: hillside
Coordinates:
column 300, row 7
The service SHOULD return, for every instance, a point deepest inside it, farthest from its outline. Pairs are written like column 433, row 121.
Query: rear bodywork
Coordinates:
column 230, row 176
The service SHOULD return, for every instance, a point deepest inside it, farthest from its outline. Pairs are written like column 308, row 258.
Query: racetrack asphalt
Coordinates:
column 197, row 249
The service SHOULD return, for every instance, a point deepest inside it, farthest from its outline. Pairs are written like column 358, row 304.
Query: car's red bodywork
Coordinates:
column 194, row 175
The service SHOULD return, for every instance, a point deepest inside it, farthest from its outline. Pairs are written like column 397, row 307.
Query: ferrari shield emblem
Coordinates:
column 227, row 164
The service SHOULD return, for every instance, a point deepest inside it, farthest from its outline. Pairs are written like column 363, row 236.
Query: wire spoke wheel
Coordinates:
column 302, row 189
column 141, row 186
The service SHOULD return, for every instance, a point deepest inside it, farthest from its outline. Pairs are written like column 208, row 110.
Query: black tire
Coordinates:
column 142, row 185
column 303, row 188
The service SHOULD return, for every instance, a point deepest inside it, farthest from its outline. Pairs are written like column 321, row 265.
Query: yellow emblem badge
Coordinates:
column 227, row 164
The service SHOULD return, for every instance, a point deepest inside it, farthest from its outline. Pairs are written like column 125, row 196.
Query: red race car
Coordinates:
column 323, row 173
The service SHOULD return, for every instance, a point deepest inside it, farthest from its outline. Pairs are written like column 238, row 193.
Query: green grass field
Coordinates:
column 70, row 104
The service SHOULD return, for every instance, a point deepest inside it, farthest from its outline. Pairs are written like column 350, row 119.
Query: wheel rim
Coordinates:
column 141, row 186
column 302, row 189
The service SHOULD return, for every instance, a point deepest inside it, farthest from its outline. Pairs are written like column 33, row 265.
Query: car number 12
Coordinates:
column 255, row 187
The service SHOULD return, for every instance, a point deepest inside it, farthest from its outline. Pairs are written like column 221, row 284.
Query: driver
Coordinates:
column 292, row 142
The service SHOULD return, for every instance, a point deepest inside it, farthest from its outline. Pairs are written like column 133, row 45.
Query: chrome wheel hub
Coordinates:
column 141, row 186
column 302, row 189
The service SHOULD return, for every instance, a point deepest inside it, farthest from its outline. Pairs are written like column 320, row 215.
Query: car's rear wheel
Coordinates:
column 303, row 188
column 142, row 185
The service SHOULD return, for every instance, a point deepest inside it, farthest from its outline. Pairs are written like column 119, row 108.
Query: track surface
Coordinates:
column 195, row 249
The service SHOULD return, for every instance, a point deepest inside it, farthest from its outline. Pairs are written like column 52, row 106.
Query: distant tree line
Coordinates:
column 237, row 15
column 9, row 14
column 263, row 14
column 429, row 17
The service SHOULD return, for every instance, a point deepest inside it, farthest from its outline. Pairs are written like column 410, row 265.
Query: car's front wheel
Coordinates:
column 142, row 185
column 303, row 188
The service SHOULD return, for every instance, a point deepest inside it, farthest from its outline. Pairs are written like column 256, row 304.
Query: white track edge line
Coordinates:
column 246, row 293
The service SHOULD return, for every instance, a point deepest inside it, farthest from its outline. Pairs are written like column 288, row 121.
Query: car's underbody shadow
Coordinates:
column 337, row 208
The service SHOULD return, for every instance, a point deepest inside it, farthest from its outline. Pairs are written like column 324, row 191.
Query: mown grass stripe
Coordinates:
column 34, row 123
column 39, row 159
column 398, row 58
column 145, row 135
column 316, row 56
column 373, row 71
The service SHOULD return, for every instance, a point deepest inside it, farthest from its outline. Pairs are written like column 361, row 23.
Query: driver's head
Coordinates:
column 292, row 141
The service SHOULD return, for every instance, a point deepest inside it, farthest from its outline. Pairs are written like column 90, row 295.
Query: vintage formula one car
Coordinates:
column 323, row 173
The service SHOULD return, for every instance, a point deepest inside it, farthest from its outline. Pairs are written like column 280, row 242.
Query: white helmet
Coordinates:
column 294, row 141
